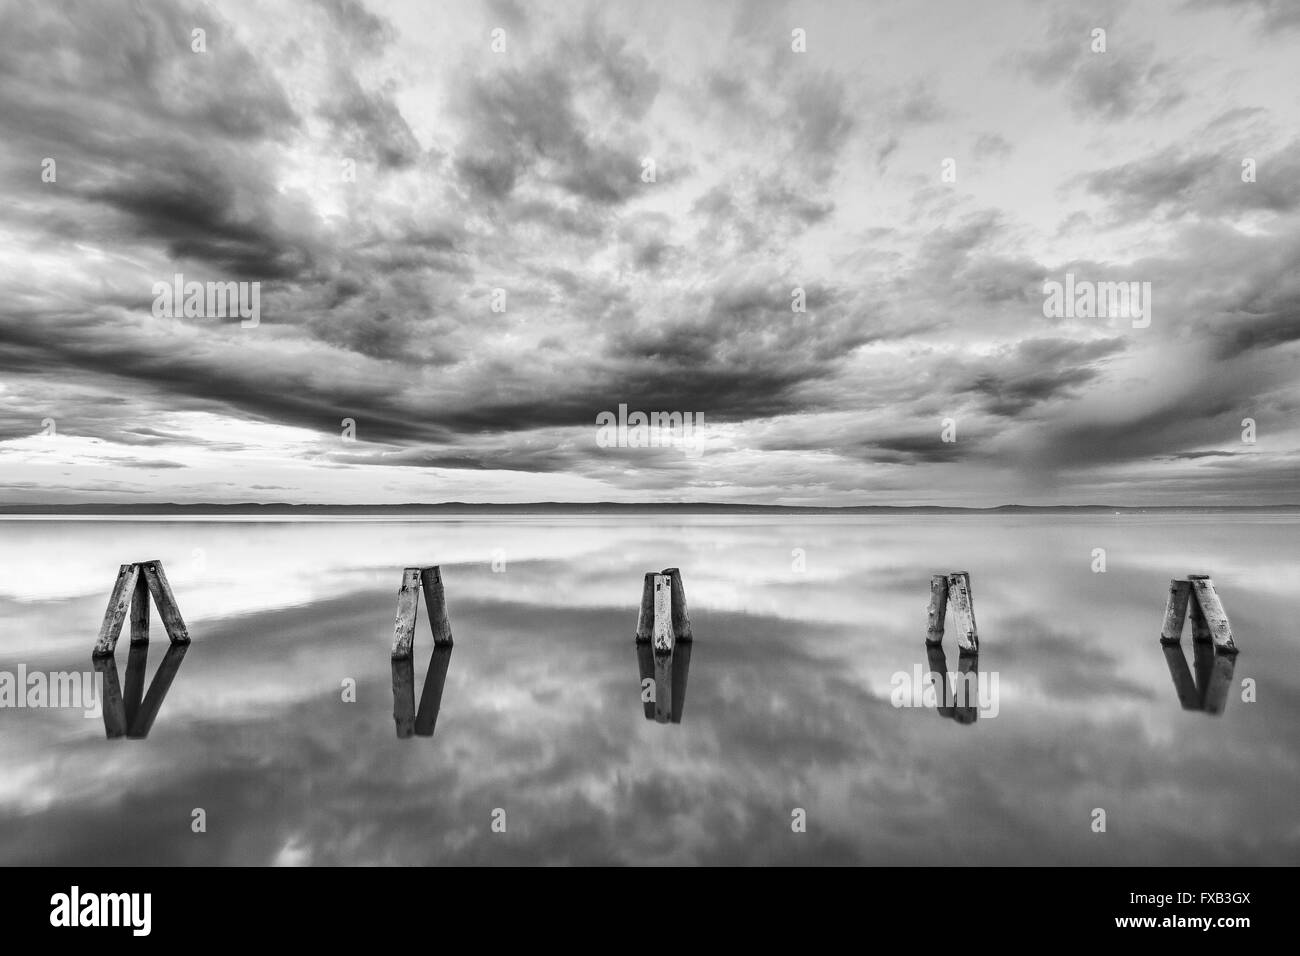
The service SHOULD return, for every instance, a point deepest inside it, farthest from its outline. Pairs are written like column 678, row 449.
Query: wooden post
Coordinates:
column 119, row 601
column 681, row 622
column 1175, row 611
column 132, row 590
column 1216, row 618
column 408, row 603
column 1200, row 627
column 140, row 611
column 963, row 612
column 664, row 635
column 938, row 609
column 435, row 605
column 166, row 602
column 645, row 619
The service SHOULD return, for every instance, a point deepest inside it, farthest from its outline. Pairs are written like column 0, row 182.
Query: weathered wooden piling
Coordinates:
column 135, row 584
column 1175, row 611
column 664, row 637
column 668, row 602
column 408, row 600
column 681, row 621
column 938, row 609
column 1216, row 619
column 1195, row 596
column 963, row 612
column 645, row 619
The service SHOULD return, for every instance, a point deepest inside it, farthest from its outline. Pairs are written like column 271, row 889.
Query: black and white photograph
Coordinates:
column 733, row 434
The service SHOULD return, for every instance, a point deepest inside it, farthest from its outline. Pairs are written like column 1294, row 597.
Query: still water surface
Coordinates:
column 784, row 704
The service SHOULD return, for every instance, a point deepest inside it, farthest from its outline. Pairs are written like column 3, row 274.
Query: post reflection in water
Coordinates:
column 956, row 696
column 409, row 721
column 663, row 680
column 1208, row 690
column 133, row 715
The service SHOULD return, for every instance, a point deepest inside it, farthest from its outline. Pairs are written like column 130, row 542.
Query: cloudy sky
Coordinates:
column 524, row 170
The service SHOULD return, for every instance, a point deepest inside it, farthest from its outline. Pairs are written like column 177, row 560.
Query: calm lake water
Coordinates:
column 787, row 703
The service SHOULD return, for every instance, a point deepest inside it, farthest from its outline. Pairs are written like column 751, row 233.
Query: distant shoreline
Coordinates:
column 578, row 508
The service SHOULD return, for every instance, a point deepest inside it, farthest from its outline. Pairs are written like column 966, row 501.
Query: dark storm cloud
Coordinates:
column 1016, row 379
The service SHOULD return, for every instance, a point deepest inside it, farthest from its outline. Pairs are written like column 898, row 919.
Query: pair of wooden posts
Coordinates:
column 410, row 721
column 134, row 714
column 1195, row 593
column 135, row 584
column 663, row 644
column 955, row 587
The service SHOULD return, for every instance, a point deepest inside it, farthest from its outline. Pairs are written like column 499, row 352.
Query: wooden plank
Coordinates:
column 114, row 711
column 645, row 619
column 1200, row 627
column 426, row 719
column 140, row 611
column 938, row 609
column 963, row 612
column 1215, row 617
column 119, row 602
column 1188, row 696
column 408, row 601
column 435, row 606
column 681, row 621
column 140, row 726
column 404, row 695
column 664, row 635
column 1171, row 632
column 165, row 602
